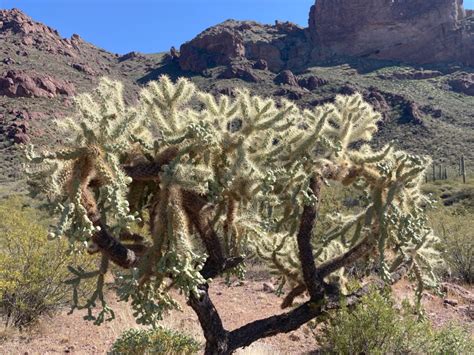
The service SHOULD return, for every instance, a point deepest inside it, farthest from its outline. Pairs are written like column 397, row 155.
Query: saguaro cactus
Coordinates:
column 209, row 175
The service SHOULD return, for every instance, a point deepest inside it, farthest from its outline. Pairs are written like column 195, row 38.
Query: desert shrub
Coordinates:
column 452, row 339
column 154, row 341
column 457, row 241
column 376, row 326
column 32, row 270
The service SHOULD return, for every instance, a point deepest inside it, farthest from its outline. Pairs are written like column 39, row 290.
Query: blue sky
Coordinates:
column 154, row 25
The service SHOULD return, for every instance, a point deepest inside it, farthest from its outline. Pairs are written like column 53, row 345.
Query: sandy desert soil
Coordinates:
column 241, row 303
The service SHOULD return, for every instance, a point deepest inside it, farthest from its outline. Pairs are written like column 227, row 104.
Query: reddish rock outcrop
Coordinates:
column 286, row 77
column 240, row 71
column 34, row 34
column 217, row 45
column 312, row 82
column 18, row 132
column 32, row 84
column 417, row 31
column 283, row 45
column 377, row 100
column 18, row 22
column 83, row 68
column 130, row 55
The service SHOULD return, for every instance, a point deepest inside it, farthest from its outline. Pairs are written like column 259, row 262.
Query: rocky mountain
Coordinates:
column 427, row 109
column 416, row 31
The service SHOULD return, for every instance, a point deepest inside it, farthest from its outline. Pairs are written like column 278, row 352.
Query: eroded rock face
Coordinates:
column 18, row 22
column 280, row 46
column 417, row 31
column 31, row 84
column 217, row 45
column 37, row 35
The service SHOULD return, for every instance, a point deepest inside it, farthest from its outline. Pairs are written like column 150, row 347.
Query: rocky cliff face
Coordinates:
column 283, row 45
column 416, row 31
column 413, row 31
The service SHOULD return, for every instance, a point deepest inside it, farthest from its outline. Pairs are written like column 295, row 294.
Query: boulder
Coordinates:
column 17, row 132
column 451, row 301
column 239, row 71
column 412, row 114
column 281, row 46
column 15, row 83
column 83, row 68
column 312, row 82
column 268, row 287
column 130, row 55
column 286, row 77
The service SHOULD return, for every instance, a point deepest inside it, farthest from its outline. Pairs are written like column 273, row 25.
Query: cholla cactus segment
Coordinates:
column 164, row 104
column 353, row 120
column 95, row 139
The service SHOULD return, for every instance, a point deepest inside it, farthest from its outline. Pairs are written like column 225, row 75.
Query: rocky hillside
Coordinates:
column 426, row 109
column 40, row 72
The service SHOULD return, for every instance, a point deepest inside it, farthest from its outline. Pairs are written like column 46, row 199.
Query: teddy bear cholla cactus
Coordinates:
column 220, row 175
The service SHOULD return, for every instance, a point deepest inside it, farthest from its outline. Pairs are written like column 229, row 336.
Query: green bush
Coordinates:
column 453, row 225
column 32, row 269
column 453, row 339
column 154, row 341
column 375, row 326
